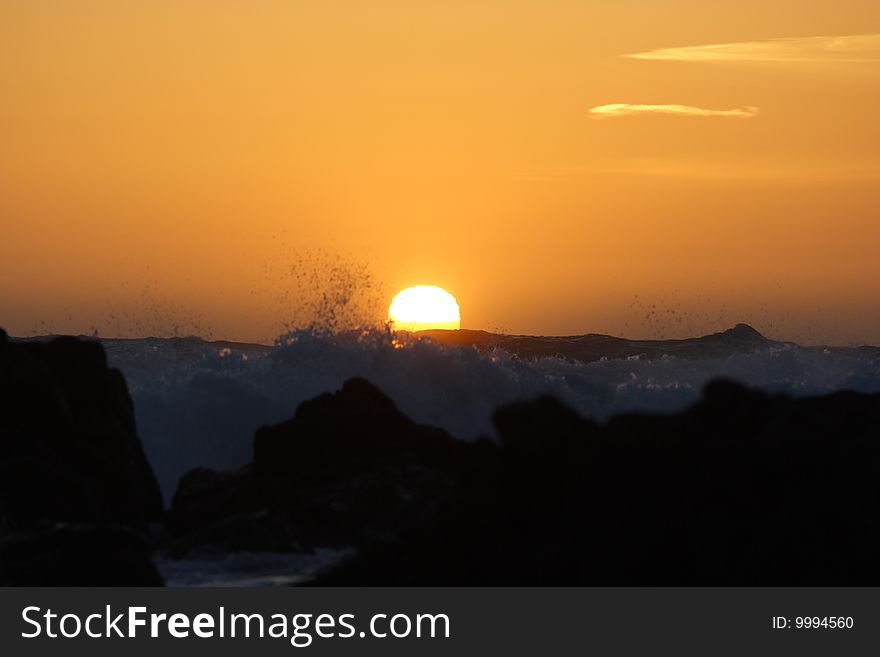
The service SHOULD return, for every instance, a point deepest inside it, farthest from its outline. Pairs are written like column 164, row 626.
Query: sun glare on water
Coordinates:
column 424, row 307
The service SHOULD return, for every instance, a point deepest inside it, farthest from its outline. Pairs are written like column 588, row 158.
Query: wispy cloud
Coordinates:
column 819, row 49
column 627, row 109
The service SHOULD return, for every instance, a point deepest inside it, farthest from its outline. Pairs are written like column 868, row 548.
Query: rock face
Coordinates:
column 72, row 469
column 347, row 469
column 97, row 554
column 357, row 430
column 742, row 488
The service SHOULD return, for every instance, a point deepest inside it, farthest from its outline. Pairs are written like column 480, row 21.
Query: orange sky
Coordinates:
column 172, row 165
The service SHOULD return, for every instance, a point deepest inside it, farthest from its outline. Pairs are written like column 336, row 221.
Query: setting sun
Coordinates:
column 424, row 307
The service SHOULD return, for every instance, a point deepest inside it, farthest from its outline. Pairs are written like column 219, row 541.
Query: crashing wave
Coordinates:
column 198, row 403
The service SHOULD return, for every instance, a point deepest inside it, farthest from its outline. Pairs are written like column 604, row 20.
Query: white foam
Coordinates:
column 198, row 404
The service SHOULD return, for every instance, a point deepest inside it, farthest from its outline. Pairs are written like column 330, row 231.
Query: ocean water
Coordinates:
column 199, row 403
column 250, row 568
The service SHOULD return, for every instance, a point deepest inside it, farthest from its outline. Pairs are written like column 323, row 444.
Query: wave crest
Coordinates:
column 198, row 403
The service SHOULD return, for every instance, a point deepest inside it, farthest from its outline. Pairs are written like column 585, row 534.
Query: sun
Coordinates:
column 424, row 307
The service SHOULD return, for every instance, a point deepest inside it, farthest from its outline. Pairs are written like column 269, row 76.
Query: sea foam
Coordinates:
column 198, row 403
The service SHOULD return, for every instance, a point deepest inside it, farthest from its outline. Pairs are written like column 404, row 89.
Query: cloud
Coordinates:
column 819, row 49
column 627, row 109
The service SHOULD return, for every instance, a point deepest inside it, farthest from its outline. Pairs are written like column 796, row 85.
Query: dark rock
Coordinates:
column 563, row 431
column 591, row 347
column 78, row 555
column 742, row 488
column 69, row 453
column 347, row 469
column 341, row 434
column 69, row 449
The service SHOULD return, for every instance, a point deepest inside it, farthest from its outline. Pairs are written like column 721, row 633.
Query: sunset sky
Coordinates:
column 644, row 168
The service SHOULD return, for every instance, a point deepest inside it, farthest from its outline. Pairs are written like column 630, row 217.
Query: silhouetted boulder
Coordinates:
column 561, row 431
column 348, row 432
column 742, row 488
column 78, row 555
column 347, row 469
column 69, row 450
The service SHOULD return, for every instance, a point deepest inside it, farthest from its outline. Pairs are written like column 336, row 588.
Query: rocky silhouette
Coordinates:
column 73, row 476
column 348, row 468
column 591, row 347
column 742, row 488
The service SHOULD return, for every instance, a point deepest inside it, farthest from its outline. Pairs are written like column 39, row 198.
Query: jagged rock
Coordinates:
column 69, row 450
column 562, row 430
column 354, row 430
column 742, row 488
column 78, row 555
column 347, row 469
